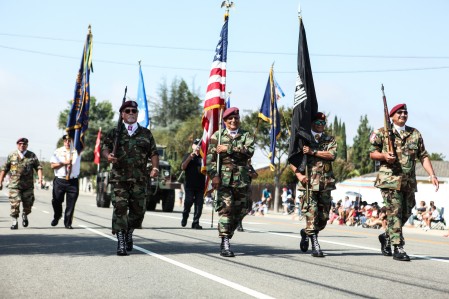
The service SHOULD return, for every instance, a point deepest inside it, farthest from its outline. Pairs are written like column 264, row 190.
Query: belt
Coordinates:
column 64, row 178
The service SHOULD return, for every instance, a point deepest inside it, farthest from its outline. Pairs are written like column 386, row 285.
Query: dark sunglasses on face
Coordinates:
column 233, row 117
column 128, row 111
column 24, row 144
column 320, row 122
column 405, row 112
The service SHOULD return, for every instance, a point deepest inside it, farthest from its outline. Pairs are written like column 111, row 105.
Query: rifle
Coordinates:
column 387, row 126
column 119, row 127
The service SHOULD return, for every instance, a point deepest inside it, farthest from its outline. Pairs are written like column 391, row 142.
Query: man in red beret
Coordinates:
column 320, row 180
column 129, row 174
column 232, row 178
column 397, row 179
column 20, row 164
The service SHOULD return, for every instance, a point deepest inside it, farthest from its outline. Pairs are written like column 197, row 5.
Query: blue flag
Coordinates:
column 143, row 119
column 78, row 120
column 269, row 112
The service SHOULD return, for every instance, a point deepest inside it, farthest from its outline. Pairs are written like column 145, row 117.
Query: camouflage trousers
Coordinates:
column 316, row 211
column 399, row 205
column 25, row 196
column 128, row 197
column 231, row 205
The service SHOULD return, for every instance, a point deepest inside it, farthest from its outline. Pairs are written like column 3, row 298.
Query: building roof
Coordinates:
column 441, row 169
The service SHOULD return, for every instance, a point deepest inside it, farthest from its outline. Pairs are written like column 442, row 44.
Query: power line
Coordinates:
column 236, row 71
column 231, row 51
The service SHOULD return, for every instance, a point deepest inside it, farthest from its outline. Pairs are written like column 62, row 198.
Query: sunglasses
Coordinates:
column 405, row 112
column 232, row 117
column 128, row 111
column 320, row 122
column 24, row 144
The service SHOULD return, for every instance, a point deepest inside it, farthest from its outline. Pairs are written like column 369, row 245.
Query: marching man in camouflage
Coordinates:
column 232, row 179
column 129, row 175
column 20, row 164
column 320, row 179
column 396, row 178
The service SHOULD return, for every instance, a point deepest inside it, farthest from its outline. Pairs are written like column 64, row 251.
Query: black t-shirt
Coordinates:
column 194, row 178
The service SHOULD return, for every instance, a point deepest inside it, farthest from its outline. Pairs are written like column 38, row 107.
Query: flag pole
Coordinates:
column 227, row 4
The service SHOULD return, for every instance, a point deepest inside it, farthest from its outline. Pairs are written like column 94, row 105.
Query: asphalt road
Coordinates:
column 169, row 261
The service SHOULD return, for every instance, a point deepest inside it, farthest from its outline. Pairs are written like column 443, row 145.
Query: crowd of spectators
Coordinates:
column 426, row 217
column 358, row 212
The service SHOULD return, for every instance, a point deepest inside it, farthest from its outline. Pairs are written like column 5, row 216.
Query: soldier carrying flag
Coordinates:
column 310, row 158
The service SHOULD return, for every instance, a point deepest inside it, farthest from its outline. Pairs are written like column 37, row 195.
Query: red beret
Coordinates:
column 127, row 104
column 396, row 108
column 319, row 116
column 230, row 111
column 23, row 139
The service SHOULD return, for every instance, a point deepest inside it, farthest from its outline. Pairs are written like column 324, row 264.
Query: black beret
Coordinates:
column 66, row 137
column 319, row 116
column 23, row 139
column 127, row 104
column 196, row 141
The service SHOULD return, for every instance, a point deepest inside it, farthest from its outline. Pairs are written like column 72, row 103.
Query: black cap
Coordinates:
column 196, row 141
column 22, row 139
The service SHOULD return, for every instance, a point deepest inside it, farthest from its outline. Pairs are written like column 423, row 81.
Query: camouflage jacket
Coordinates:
column 21, row 170
column 133, row 154
column 234, row 169
column 321, row 176
column 400, row 174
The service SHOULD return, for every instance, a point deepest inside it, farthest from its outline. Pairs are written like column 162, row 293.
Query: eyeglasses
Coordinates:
column 128, row 111
column 405, row 112
column 233, row 117
column 320, row 122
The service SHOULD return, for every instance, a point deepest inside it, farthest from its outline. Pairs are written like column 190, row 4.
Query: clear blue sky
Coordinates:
column 41, row 45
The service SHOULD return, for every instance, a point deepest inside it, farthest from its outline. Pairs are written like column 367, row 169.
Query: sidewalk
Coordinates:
column 406, row 229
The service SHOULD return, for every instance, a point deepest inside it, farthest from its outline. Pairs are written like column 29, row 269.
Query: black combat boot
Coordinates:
column 400, row 254
column 304, row 244
column 24, row 220
column 385, row 244
column 316, row 250
column 129, row 239
column 15, row 224
column 240, row 226
column 226, row 248
column 121, row 246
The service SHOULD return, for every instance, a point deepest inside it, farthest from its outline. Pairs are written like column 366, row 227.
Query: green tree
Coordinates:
column 177, row 104
column 360, row 149
column 437, row 157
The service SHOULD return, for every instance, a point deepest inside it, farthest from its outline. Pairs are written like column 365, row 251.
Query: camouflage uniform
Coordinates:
column 130, row 176
column 232, row 196
column 397, row 181
column 321, row 183
column 21, row 182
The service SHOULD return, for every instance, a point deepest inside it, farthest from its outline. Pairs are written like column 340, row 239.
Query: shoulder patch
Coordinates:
column 372, row 138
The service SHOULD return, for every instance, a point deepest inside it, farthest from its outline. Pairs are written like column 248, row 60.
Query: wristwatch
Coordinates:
column 314, row 152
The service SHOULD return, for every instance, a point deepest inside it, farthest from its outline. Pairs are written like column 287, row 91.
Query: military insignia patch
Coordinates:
column 372, row 137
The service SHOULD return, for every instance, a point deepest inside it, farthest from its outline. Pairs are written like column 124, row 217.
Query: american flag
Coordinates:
column 216, row 92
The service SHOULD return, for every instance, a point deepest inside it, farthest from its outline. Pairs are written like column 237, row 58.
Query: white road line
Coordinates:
column 202, row 221
column 348, row 245
column 210, row 276
column 321, row 240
